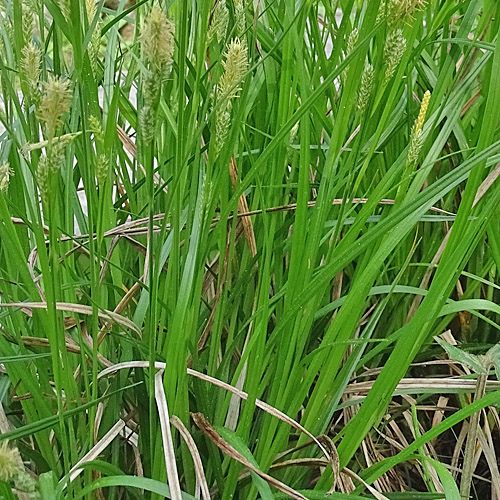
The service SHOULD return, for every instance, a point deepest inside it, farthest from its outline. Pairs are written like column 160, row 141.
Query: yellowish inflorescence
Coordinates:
column 219, row 22
column 5, row 175
column 157, row 41
column 157, row 47
column 395, row 46
column 416, row 132
column 235, row 66
column 240, row 21
column 396, row 13
column 400, row 11
column 55, row 102
column 30, row 69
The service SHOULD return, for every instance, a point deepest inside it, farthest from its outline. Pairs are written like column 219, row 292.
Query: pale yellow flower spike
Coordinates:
column 416, row 132
column 419, row 123
column 235, row 67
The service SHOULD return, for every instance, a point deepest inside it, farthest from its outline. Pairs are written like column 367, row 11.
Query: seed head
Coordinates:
column 235, row 67
column 96, row 128
column 43, row 176
column 416, row 132
column 90, row 8
column 219, row 22
column 147, row 123
column 95, row 41
column 222, row 124
column 5, row 174
column 399, row 11
column 55, row 102
column 50, row 163
column 419, row 123
column 366, row 87
column 395, row 46
column 151, row 86
column 352, row 40
column 31, row 57
column 102, row 169
column 240, row 20
column 157, row 41
column 9, row 465
column 28, row 21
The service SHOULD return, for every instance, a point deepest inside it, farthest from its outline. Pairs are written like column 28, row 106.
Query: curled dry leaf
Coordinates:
column 166, row 434
column 79, row 309
column 204, row 425
column 198, row 464
column 243, row 395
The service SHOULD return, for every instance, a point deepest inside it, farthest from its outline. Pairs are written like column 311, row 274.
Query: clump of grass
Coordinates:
column 228, row 244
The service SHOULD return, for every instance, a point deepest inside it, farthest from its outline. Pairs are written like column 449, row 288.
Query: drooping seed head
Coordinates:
column 27, row 484
column 90, row 8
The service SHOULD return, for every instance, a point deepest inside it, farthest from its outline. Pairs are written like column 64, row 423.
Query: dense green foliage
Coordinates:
column 360, row 138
